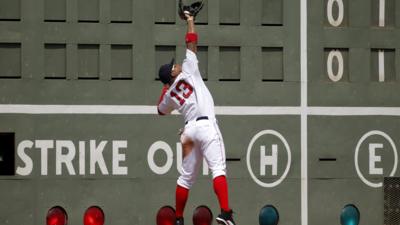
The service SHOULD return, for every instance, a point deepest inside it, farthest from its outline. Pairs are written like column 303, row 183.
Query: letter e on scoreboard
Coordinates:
column 374, row 158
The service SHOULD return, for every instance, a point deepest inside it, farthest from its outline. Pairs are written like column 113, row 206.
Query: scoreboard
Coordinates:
column 353, row 55
column 307, row 97
column 353, row 65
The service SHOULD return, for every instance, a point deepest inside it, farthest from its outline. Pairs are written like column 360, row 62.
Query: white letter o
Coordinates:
column 160, row 145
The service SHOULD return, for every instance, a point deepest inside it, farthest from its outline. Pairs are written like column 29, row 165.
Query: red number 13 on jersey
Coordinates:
column 184, row 89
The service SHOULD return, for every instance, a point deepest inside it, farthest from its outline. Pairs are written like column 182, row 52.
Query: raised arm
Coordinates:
column 191, row 36
column 163, row 92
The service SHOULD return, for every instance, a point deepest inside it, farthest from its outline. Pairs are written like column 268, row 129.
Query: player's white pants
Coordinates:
column 208, row 143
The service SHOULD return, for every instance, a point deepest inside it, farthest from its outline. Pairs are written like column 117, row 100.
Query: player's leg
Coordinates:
column 190, row 167
column 214, row 154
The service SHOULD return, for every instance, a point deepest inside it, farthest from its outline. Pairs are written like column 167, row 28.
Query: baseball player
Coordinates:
column 185, row 91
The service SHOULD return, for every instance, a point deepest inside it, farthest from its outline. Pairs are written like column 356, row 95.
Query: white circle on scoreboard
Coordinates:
column 285, row 143
column 362, row 139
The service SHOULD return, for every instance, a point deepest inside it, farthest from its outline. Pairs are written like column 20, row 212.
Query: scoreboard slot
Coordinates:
column 55, row 61
column 233, row 159
column 55, row 10
column 88, row 11
column 383, row 65
column 7, row 154
column 10, row 60
column 10, row 10
column 327, row 159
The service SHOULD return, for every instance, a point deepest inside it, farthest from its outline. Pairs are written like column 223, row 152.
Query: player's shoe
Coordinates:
column 225, row 218
column 179, row 221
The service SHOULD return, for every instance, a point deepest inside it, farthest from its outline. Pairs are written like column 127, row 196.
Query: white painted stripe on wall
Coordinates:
column 381, row 13
column 255, row 110
column 354, row 111
column 381, row 65
column 220, row 110
column 304, row 112
column 138, row 109
column 78, row 109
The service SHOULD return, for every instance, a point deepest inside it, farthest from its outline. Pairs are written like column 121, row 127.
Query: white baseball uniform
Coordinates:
column 190, row 96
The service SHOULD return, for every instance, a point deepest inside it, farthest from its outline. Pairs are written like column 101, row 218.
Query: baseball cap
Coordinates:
column 165, row 72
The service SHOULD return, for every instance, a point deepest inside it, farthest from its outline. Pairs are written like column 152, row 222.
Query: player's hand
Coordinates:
column 189, row 17
column 192, row 10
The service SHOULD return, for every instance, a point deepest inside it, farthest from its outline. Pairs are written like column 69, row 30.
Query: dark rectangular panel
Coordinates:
column 10, row 10
column 202, row 56
column 229, row 66
column 391, row 192
column 121, row 62
column 88, row 60
column 55, row 61
column 389, row 18
column 164, row 55
column 55, row 10
column 165, row 12
column 202, row 17
column 388, row 66
column 272, row 60
column 7, row 154
column 10, row 60
column 229, row 12
column 272, row 12
column 121, row 11
column 88, row 10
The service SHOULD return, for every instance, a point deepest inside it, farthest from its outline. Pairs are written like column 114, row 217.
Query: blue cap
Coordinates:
column 165, row 72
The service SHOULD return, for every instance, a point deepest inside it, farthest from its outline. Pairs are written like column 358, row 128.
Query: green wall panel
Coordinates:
column 141, row 191
column 55, row 10
column 202, row 18
column 88, row 10
column 358, row 40
column 89, row 29
column 88, row 55
column 121, row 11
column 10, row 10
column 339, row 192
column 10, row 60
column 272, row 64
column 16, row 193
column 229, row 11
column 55, row 60
column 272, row 12
column 229, row 63
column 202, row 55
column 336, row 180
column 165, row 12
column 121, row 61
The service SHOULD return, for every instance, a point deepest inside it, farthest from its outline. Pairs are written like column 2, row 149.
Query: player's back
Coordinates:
column 189, row 94
column 199, row 102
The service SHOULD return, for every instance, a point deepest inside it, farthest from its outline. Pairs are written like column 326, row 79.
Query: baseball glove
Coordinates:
column 191, row 10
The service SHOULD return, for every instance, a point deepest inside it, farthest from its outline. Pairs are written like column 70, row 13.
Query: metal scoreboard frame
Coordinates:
column 341, row 99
